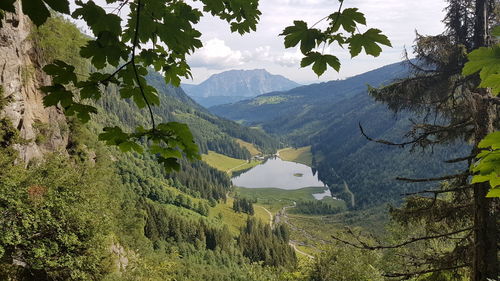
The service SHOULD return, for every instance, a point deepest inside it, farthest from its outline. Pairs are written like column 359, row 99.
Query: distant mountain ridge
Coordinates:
column 326, row 116
column 235, row 85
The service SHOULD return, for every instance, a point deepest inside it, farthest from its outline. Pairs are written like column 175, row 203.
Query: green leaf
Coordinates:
column 61, row 72
column 493, row 82
column 170, row 164
column 129, row 146
column 57, row 94
column 136, row 95
column 347, row 19
column 320, row 62
column 90, row 90
column 370, row 41
column 8, row 5
column 165, row 152
column 493, row 193
column 61, row 6
column 487, row 168
column 36, row 11
column 178, row 135
column 113, row 136
column 82, row 111
column 299, row 32
column 491, row 140
column 484, row 59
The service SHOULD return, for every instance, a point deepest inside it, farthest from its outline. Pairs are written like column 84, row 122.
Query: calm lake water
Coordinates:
column 278, row 173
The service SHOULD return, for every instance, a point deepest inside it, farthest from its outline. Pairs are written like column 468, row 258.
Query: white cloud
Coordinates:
column 398, row 19
column 289, row 59
column 215, row 54
column 262, row 53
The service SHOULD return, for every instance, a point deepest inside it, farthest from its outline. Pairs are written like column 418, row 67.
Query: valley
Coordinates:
column 119, row 163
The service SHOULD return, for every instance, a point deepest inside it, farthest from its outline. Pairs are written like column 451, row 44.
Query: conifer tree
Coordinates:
column 451, row 108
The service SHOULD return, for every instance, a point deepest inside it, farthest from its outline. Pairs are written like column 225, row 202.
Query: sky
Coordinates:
column 223, row 50
column 398, row 19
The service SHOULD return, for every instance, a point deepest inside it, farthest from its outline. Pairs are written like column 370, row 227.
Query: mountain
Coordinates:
column 235, row 85
column 327, row 116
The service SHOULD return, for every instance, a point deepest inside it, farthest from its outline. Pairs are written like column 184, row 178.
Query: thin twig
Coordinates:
column 336, row 19
column 466, row 158
column 115, row 72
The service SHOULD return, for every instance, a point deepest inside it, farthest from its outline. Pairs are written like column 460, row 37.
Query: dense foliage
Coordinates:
column 260, row 243
column 327, row 116
column 243, row 205
column 97, row 214
column 316, row 207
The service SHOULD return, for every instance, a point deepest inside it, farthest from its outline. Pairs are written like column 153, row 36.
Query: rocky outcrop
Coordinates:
column 44, row 129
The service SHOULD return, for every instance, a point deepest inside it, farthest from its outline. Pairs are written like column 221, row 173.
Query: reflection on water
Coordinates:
column 278, row 173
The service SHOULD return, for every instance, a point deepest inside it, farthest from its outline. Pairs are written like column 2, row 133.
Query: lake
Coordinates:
column 278, row 173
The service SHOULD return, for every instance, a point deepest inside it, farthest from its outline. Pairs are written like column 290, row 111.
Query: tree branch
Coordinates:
column 115, row 72
column 411, row 274
column 447, row 177
column 364, row 245
column 438, row 191
column 466, row 158
column 136, row 73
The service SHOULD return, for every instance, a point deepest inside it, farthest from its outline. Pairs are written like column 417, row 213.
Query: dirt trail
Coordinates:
column 281, row 216
column 270, row 216
column 294, row 246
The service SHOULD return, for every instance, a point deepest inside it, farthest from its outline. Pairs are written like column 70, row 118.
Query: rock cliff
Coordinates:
column 44, row 129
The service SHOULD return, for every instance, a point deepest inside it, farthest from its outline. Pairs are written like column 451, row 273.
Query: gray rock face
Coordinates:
column 238, row 84
column 45, row 129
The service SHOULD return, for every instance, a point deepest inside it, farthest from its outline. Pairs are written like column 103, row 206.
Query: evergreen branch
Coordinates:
column 422, row 136
column 364, row 245
column 438, row 191
column 386, row 142
column 460, row 159
column 411, row 274
column 415, row 66
column 447, row 177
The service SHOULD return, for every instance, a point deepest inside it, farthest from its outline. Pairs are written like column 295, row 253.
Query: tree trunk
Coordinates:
column 485, row 259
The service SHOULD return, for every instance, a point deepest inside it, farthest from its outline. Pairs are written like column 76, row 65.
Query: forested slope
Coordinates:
column 327, row 117
column 91, row 212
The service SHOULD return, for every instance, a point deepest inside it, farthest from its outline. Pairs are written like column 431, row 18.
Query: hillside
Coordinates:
column 82, row 210
column 235, row 85
column 326, row 116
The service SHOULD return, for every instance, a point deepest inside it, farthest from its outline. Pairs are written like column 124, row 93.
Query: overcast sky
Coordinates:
column 398, row 19
column 223, row 50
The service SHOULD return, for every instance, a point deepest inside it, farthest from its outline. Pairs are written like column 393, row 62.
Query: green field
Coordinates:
column 249, row 146
column 301, row 155
column 227, row 164
column 225, row 214
column 275, row 198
